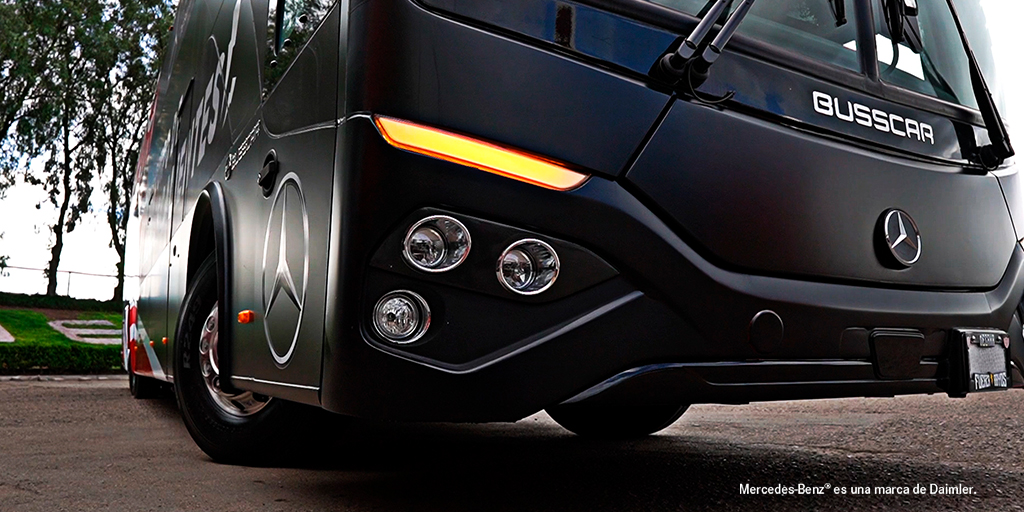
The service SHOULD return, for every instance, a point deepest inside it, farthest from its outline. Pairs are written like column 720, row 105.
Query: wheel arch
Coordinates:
column 211, row 234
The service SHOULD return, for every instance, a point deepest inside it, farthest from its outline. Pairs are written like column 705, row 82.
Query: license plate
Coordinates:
column 989, row 380
column 987, row 368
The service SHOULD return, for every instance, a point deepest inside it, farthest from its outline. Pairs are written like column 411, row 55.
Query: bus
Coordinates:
column 434, row 210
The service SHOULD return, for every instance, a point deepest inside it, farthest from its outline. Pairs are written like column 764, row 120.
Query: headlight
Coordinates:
column 401, row 317
column 528, row 267
column 436, row 244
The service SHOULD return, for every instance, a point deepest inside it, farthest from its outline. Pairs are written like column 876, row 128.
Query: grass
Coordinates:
column 20, row 300
column 41, row 349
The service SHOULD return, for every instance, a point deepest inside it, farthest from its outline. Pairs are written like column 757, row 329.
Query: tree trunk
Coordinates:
column 118, row 225
column 119, row 289
column 117, row 219
column 58, row 227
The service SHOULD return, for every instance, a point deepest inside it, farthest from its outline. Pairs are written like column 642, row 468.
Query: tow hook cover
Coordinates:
column 897, row 353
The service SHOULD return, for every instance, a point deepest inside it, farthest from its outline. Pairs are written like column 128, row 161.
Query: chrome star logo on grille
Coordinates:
column 902, row 237
column 285, row 269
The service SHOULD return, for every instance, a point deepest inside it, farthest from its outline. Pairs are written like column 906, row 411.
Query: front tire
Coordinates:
column 615, row 422
column 142, row 387
column 231, row 427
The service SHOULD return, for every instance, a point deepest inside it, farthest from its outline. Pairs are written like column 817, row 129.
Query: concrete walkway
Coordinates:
column 85, row 331
column 5, row 337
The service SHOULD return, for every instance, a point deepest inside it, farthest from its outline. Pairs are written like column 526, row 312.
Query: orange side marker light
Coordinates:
column 486, row 156
column 246, row 316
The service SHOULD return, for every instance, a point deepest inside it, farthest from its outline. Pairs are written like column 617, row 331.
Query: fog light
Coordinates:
column 528, row 267
column 401, row 317
column 436, row 244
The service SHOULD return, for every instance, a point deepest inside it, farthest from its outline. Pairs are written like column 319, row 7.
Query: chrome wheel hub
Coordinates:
column 241, row 404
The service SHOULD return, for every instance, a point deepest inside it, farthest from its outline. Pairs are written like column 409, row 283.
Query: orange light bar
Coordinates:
column 246, row 316
column 485, row 156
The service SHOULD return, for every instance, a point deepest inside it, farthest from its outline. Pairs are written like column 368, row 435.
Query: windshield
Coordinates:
column 932, row 60
column 981, row 21
column 807, row 27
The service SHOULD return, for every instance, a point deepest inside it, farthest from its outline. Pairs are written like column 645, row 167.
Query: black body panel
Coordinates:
column 685, row 294
column 283, row 229
column 688, row 309
column 695, row 222
column 494, row 88
column 771, row 199
column 1013, row 190
column 628, row 36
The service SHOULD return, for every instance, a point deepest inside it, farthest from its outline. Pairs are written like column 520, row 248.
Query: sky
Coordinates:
column 26, row 229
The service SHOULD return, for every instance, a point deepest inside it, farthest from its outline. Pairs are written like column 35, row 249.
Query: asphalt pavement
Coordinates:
column 87, row 445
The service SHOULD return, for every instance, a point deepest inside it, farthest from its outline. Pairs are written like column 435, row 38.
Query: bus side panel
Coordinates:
column 280, row 235
column 224, row 99
column 157, row 194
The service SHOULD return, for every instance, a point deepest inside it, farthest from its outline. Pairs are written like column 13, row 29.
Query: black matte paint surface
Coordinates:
column 413, row 65
column 707, row 215
column 691, row 310
column 774, row 200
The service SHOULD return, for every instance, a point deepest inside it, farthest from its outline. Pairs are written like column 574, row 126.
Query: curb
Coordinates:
column 60, row 378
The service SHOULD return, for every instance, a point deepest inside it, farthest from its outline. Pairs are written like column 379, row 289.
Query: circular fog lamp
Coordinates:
column 401, row 317
column 528, row 267
column 436, row 244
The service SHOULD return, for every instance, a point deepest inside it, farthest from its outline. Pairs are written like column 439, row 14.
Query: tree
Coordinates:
column 78, row 78
column 25, row 47
column 27, row 39
column 139, row 39
column 57, row 120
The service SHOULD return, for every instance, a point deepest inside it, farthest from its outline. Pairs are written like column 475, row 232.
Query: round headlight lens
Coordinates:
column 528, row 267
column 401, row 316
column 426, row 247
column 517, row 269
column 436, row 244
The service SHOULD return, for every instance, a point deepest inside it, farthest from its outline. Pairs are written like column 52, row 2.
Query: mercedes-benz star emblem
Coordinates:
column 902, row 237
column 285, row 269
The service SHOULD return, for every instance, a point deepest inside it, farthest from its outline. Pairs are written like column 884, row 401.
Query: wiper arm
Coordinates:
column 992, row 155
column 702, row 64
column 675, row 63
column 685, row 64
column 838, row 11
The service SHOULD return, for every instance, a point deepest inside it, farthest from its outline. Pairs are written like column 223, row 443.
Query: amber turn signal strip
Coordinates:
column 485, row 156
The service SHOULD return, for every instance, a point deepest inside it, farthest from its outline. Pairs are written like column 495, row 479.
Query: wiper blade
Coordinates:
column 995, row 153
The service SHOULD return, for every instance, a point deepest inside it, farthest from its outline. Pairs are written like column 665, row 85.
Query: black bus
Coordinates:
column 438, row 210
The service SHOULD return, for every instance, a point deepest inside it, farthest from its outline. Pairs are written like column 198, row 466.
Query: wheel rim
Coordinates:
column 241, row 404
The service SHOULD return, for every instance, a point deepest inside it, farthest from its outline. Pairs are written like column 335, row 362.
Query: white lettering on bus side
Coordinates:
column 893, row 118
column 863, row 114
column 849, row 111
column 210, row 113
column 822, row 103
column 880, row 120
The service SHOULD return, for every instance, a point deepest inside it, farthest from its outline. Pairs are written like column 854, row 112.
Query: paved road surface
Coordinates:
column 86, row 446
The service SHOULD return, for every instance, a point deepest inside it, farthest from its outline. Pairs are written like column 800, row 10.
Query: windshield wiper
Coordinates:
column 685, row 64
column 838, row 11
column 675, row 63
column 992, row 155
